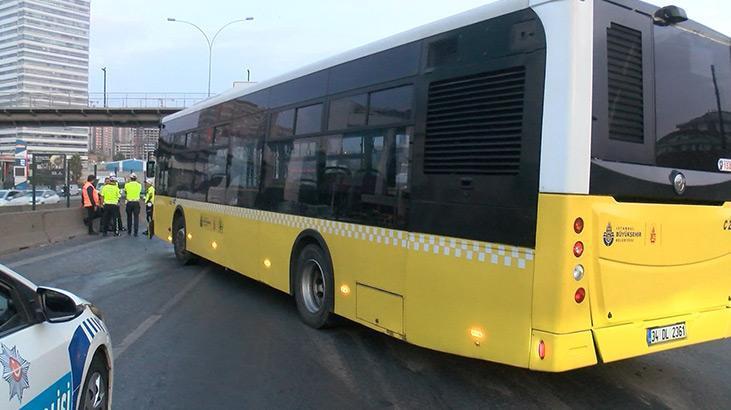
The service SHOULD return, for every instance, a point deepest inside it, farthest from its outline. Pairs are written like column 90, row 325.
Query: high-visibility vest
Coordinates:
column 85, row 195
column 111, row 194
column 150, row 195
column 134, row 190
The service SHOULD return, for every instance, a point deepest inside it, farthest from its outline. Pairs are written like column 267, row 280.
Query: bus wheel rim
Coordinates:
column 313, row 286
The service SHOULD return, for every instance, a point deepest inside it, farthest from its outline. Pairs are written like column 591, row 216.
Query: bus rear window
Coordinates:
column 662, row 94
column 693, row 100
column 661, row 106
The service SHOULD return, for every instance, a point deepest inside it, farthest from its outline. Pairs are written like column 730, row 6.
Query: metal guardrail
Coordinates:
column 100, row 100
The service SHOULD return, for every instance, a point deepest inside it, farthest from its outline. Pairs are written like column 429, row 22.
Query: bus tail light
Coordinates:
column 578, row 249
column 541, row 350
column 580, row 295
column 579, row 225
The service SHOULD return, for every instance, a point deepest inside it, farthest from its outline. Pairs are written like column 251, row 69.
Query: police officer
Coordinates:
column 118, row 216
column 134, row 192
column 149, row 204
column 110, row 195
column 90, row 202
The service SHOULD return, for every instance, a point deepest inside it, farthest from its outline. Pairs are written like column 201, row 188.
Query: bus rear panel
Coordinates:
column 656, row 248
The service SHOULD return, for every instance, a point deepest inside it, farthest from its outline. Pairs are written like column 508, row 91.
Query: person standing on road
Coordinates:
column 90, row 202
column 133, row 190
column 120, row 205
column 149, row 204
column 111, row 195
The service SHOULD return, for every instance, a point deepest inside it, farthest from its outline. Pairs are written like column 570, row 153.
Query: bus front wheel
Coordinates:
column 314, row 287
column 179, row 242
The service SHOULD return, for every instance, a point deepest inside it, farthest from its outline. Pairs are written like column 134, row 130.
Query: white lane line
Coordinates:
column 152, row 319
column 55, row 254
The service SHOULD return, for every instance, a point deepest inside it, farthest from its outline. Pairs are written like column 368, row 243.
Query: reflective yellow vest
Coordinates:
column 150, row 195
column 111, row 194
column 134, row 190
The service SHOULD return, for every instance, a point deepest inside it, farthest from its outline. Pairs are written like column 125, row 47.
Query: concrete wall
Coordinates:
column 19, row 230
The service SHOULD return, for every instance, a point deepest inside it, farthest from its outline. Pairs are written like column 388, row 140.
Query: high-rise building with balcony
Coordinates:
column 44, row 60
column 145, row 142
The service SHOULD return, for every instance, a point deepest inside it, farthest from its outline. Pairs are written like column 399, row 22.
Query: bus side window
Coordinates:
column 217, row 171
column 365, row 175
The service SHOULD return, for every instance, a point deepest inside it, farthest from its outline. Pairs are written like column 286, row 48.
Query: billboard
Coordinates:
column 49, row 169
column 20, row 169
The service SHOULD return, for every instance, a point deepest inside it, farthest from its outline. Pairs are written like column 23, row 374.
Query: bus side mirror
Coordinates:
column 150, row 169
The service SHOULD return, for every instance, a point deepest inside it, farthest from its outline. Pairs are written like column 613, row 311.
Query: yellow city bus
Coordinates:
column 541, row 183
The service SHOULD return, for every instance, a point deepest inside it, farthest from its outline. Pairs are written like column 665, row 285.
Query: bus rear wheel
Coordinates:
column 314, row 287
column 179, row 242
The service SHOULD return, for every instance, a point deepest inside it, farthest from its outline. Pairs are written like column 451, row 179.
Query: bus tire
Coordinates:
column 182, row 254
column 314, row 289
column 95, row 390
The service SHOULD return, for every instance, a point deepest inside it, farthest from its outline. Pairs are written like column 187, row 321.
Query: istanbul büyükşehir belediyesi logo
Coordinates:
column 15, row 371
column 609, row 235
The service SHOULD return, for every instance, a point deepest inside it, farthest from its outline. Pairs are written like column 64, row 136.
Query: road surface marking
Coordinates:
column 55, row 254
column 150, row 321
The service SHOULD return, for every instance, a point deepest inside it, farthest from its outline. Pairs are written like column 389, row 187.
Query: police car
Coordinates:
column 55, row 352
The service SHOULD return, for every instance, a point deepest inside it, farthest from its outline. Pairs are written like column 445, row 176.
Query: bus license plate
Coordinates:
column 664, row 334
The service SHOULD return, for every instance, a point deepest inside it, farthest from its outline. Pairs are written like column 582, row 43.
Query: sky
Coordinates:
column 143, row 52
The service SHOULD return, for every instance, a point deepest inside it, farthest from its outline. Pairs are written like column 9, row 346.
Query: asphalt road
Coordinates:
column 204, row 337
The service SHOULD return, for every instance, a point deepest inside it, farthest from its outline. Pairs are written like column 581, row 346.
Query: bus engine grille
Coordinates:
column 475, row 124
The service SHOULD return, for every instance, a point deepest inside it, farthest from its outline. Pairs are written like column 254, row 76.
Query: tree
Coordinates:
column 75, row 168
column 118, row 157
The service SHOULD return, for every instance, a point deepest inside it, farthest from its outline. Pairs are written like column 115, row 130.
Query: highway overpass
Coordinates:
column 130, row 109
column 83, row 117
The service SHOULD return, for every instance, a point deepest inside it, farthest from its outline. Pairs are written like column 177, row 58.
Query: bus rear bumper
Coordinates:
column 562, row 352
column 630, row 340
column 570, row 351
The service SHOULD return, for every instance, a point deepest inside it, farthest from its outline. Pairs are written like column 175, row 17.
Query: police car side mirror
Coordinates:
column 58, row 306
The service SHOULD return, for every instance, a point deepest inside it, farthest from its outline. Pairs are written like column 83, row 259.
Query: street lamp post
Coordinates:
column 210, row 40
column 105, row 86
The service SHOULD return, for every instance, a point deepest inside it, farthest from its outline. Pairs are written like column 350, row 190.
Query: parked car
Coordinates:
column 55, row 350
column 73, row 188
column 4, row 194
column 44, row 197
column 13, row 197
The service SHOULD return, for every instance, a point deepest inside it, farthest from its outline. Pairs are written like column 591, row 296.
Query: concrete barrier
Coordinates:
column 19, row 230
column 23, row 208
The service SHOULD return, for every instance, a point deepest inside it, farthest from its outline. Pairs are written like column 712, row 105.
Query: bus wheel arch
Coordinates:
column 306, row 237
column 177, row 215
column 312, row 279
